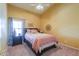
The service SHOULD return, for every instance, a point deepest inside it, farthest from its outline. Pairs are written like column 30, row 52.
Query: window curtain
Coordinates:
column 11, row 30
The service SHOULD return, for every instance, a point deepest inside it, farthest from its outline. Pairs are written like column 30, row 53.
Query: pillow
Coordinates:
column 34, row 31
column 28, row 31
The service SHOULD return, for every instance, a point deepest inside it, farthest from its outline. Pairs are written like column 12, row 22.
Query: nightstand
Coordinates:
column 17, row 40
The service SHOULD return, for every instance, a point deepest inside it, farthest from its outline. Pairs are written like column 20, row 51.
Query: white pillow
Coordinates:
column 34, row 31
column 28, row 31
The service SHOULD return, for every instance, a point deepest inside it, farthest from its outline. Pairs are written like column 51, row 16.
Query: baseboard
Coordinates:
column 69, row 46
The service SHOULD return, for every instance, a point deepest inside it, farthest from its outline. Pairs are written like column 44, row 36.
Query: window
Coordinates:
column 17, row 27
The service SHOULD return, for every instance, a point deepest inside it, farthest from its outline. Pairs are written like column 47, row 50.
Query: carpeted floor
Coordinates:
column 24, row 50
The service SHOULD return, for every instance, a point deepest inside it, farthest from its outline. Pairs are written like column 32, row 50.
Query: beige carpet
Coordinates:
column 24, row 50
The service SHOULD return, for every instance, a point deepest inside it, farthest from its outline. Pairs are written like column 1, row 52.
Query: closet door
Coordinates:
column 3, row 29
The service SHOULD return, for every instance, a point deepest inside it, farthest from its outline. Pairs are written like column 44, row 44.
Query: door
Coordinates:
column 3, row 28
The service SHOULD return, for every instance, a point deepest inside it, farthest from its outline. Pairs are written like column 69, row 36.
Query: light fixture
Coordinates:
column 39, row 7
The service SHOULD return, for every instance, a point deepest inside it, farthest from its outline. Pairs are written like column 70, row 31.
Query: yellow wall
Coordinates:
column 22, row 14
column 64, row 19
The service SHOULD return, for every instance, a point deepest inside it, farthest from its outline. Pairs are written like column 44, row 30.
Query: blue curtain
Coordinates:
column 10, row 31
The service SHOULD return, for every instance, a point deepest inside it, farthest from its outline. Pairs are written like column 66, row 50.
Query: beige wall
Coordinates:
column 64, row 20
column 23, row 14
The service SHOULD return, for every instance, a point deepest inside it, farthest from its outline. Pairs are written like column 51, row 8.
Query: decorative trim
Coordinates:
column 69, row 46
column 48, row 27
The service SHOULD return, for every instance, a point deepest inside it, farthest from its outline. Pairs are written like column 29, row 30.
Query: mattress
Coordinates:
column 40, row 41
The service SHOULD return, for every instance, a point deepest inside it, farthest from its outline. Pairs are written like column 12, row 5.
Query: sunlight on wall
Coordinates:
column 69, row 32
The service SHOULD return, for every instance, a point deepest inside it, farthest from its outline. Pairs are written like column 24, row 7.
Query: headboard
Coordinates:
column 25, row 29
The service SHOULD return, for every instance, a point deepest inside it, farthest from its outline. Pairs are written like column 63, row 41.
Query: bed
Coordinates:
column 39, row 41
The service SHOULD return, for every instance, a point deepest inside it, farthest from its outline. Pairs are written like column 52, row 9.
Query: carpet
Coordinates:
column 24, row 50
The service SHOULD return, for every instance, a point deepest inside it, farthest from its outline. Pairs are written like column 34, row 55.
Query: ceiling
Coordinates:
column 37, row 8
